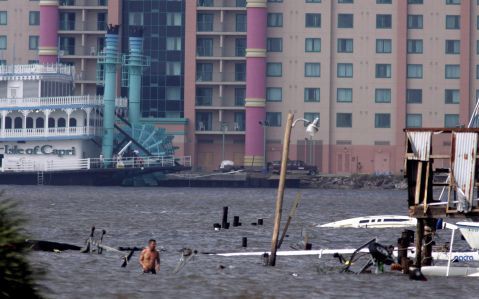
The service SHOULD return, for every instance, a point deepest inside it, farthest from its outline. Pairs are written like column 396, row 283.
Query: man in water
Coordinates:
column 150, row 258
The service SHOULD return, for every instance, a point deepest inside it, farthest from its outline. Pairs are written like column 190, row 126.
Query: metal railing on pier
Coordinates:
column 26, row 165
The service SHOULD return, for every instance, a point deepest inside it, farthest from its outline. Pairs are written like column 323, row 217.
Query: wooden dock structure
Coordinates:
column 445, row 158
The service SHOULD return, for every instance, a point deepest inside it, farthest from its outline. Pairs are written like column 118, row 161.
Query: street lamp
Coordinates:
column 264, row 124
column 311, row 129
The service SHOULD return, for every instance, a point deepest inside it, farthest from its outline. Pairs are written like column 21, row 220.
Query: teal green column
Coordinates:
column 135, row 66
column 109, row 96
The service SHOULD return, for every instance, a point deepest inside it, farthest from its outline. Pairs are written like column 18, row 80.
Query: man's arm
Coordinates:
column 142, row 257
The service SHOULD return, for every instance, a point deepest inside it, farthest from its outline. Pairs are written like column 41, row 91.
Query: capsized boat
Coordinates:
column 379, row 221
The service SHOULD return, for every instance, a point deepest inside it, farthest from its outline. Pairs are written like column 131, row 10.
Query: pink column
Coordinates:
column 255, row 82
column 48, row 52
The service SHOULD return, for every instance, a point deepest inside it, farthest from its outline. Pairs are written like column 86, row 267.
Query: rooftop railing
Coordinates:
column 36, row 69
column 58, row 101
column 50, row 132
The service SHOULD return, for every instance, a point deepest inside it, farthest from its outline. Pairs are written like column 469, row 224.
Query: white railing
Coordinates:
column 58, row 101
column 25, row 165
column 49, row 132
column 27, row 69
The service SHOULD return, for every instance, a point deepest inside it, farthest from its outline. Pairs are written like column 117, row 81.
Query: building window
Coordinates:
column 312, row 69
column 382, row 95
column 240, row 47
column 414, row 1
column 204, row 22
column 205, row 3
column 313, row 20
column 453, row 71
column 135, row 18
column 453, row 2
column 204, row 72
column 382, row 120
column 383, row 21
column 174, row 19
column 344, row 120
column 346, row 1
column 345, row 70
column 451, row 96
column 34, row 18
column 275, row 44
column 345, row 45
column 311, row 116
column 173, row 43
column 173, row 93
column 274, row 69
column 414, row 96
column 204, row 47
column 312, row 45
column 67, row 45
column 312, row 94
column 453, row 46
column 33, row 42
column 383, row 46
column 241, row 22
column 383, row 70
column 273, row 119
column 275, row 20
column 67, row 20
column 453, row 22
column 383, row 1
column 173, row 68
column 344, row 95
column 204, row 96
column 345, row 20
column 413, row 120
column 240, row 95
column 240, row 71
column 414, row 22
column 414, row 71
column 414, row 46
column 311, row 1
column 3, row 18
column 451, row 120
column 274, row 94
column 3, row 42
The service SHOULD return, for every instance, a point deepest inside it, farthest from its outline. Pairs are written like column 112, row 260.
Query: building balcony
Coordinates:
column 220, row 54
column 221, row 78
column 207, row 28
column 83, row 4
column 208, row 5
column 18, row 104
column 217, row 130
column 79, row 27
column 36, row 133
column 79, row 52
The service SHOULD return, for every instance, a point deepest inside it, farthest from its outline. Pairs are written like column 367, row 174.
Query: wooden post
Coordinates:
column 419, row 237
column 403, row 245
column 280, row 195
column 428, row 231
column 292, row 212
column 418, row 183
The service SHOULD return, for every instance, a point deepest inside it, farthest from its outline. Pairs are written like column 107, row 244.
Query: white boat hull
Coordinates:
column 380, row 221
column 453, row 271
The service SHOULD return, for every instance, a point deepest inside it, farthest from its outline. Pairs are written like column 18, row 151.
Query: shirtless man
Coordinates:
column 150, row 258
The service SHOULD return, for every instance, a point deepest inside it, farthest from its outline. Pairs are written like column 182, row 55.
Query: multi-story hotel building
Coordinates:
column 225, row 73
column 366, row 68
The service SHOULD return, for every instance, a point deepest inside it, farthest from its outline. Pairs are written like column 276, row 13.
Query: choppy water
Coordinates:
column 180, row 218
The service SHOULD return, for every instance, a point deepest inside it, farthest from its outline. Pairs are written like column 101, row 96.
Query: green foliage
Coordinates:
column 17, row 278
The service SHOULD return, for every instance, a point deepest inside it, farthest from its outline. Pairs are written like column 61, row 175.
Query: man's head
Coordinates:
column 152, row 244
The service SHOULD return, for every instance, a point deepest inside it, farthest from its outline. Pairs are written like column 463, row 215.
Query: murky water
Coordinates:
column 180, row 218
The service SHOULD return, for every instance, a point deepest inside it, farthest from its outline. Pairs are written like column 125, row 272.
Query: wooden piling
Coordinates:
column 403, row 245
column 224, row 223
column 428, row 232
column 419, row 239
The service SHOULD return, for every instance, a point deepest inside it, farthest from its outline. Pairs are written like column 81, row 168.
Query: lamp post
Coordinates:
column 264, row 124
column 224, row 127
column 311, row 129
